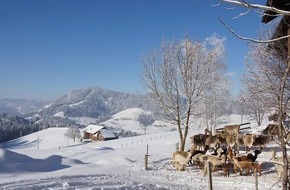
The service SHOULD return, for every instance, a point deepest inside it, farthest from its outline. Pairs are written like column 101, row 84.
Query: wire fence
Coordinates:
column 141, row 140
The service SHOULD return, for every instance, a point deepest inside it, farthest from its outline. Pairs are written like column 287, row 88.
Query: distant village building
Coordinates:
column 98, row 133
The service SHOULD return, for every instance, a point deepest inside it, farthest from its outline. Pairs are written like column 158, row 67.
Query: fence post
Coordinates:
column 256, row 179
column 209, row 176
column 146, row 159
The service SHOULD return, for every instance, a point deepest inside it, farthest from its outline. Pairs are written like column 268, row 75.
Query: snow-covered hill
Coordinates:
column 128, row 120
column 46, row 160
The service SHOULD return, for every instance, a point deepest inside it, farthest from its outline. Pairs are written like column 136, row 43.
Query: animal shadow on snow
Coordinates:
column 12, row 162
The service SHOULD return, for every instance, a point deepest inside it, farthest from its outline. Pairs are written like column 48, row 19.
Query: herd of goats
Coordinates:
column 225, row 145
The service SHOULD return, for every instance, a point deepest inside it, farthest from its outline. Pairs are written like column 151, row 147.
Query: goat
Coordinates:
column 205, row 156
column 222, row 138
column 222, row 150
column 226, row 169
column 232, row 129
column 230, row 156
column 195, row 160
column 183, row 153
column 242, row 165
column 211, row 141
column 262, row 140
column 195, row 152
column 247, row 140
column 198, row 140
column 200, row 157
column 214, row 162
column 230, row 140
column 180, row 160
column 250, row 157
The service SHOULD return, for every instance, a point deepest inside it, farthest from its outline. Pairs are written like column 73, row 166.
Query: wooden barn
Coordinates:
column 97, row 133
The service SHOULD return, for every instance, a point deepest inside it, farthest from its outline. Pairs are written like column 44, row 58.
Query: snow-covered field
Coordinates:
column 48, row 160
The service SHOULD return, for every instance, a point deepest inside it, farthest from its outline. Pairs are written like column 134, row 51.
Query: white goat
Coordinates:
column 183, row 153
column 214, row 162
column 247, row 140
column 201, row 158
column 180, row 160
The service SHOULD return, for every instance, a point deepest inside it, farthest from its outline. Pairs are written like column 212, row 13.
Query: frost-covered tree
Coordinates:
column 177, row 75
column 252, row 106
column 73, row 132
column 275, row 53
column 267, row 83
column 217, row 98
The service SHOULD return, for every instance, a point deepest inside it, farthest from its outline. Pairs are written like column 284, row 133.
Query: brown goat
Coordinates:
column 249, row 157
column 198, row 140
column 262, row 140
column 243, row 165
column 226, row 169
column 204, row 141
column 211, row 141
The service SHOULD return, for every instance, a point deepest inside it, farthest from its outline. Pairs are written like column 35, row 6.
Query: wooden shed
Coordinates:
column 98, row 133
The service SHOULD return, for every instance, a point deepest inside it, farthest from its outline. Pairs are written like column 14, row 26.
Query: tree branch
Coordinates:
column 251, row 39
column 245, row 4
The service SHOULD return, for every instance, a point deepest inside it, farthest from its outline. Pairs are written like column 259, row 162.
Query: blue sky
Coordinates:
column 50, row 47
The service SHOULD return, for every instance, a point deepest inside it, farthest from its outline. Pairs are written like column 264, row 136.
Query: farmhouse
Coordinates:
column 98, row 133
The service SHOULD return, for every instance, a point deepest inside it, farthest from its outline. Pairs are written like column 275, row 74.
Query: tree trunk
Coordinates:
column 280, row 126
column 181, row 146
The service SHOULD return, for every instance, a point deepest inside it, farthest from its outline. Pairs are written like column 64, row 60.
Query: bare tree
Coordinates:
column 217, row 98
column 178, row 74
column 264, row 76
column 279, row 85
column 73, row 132
column 253, row 106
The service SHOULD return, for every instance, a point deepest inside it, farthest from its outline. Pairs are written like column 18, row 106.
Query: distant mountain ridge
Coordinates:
column 21, row 106
column 95, row 102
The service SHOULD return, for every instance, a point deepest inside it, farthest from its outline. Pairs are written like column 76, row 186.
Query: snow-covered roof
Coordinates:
column 107, row 133
column 93, row 128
